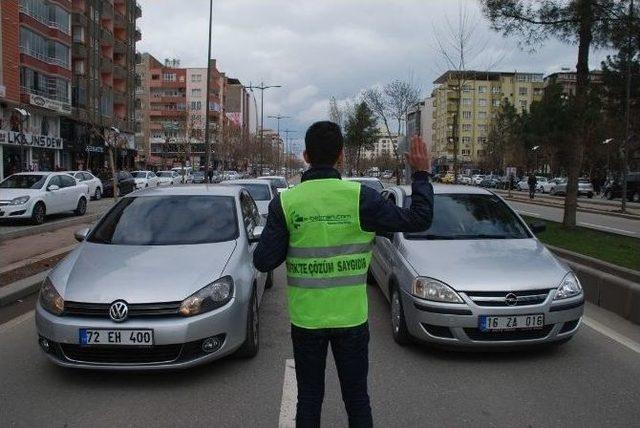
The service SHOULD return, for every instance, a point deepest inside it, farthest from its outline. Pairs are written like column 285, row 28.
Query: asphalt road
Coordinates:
column 591, row 381
column 606, row 223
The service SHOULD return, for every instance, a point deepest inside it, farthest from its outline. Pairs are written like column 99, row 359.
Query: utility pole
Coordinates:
column 278, row 117
column 262, row 87
column 207, row 150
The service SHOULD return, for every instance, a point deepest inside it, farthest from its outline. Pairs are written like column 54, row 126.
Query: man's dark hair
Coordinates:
column 323, row 143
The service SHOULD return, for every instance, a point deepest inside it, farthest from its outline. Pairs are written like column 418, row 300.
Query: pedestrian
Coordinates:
column 324, row 229
column 210, row 175
column 532, row 182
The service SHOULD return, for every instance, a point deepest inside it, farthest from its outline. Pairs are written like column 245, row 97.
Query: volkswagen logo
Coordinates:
column 511, row 299
column 118, row 311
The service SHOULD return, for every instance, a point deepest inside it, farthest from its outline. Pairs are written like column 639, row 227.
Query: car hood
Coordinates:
column 140, row 180
column 486, row 265
column 99, row 273
column 8, row 194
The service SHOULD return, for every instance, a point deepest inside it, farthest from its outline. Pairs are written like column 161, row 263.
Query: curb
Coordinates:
column 35, row 230
column 19, row 289
column 36, row 259
column 597, row 264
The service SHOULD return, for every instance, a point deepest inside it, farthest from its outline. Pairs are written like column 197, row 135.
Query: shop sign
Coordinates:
column 30, row 140
column 50, row 104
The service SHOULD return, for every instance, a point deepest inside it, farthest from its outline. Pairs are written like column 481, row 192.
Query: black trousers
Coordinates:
column 350, row 347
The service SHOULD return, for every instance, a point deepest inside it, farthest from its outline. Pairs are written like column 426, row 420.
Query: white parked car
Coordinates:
column 93, row 183
column 33, row 195
column 231, row 175
column 186, row 174
column 145, row 179
column 524, row 183
column 169, row 178
column 465, row 179
column 548, row 186
column 476, row 179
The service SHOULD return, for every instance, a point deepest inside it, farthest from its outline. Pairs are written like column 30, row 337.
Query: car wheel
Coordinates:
column 608, row 194
column 81, row 209
column 38, row 213
column 398, row 322
column 98, row 194
column 252, row 341
column 269, row 282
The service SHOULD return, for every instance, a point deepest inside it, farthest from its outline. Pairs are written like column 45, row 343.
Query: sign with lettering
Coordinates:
column 30, row 140
column 50, row 104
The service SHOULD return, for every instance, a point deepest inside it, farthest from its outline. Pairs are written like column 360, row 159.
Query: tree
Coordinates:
column 361, row 133
column 503, row 137
column 588, row 23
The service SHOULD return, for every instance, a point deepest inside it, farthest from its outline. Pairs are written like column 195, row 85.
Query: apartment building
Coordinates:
column 384, row 145
column 420, row 121
column 464, row 104
column 567, row 80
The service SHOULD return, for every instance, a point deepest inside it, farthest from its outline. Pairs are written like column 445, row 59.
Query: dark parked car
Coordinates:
column 613, row 189
column 126, row 183
column 490, row 183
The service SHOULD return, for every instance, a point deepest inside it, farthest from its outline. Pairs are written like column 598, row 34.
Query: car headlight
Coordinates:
column 569, row 287
column 20, row 200
column 50, row 299
column 434, row 290
column 213, row 296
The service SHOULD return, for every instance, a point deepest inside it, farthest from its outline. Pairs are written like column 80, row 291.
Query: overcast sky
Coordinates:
column 322, row 48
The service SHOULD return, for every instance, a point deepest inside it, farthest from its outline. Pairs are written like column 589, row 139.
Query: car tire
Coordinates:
column 251, row 343
column 38, row 213
column 98, row 194
column 398, row 323
column 269, row 282
column 81, row 208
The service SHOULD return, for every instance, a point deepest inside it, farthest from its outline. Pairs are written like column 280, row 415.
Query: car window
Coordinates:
column 152, row 175
column 35, row 181
column 250, row 215
column 259, row 192
column 465, row 216
column 87, row 176
column 55, row 181
column 67, row 181
column 168, row 220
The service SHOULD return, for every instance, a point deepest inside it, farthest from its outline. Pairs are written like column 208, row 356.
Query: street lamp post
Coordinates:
column 288, row 149
column 278, row 117
column 262, row 88
column 607, row 143
column 535, row 149
column 24, row 116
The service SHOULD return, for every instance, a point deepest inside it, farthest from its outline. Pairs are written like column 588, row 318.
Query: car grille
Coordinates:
column 496, row 336
column 101, row 310
column 499, row 298
column 121, row 354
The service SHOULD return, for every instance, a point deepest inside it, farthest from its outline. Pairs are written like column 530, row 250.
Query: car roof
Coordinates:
column 38, row 173
column 441, row 189
column 245, row 181
column 271, row 176
column 207, row 189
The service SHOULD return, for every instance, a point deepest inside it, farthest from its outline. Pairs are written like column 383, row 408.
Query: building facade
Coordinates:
column 66, row 76
column 567, row 80
column 464, row 105
column 384, row 146
column 420, row 121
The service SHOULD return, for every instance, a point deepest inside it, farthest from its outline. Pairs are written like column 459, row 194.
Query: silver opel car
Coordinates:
column 478, row 277
column 165, row 279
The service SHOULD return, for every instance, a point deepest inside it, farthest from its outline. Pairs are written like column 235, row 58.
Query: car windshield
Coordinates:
column 23, row 182
column 259, row 192
column 168, row 220
column 374, row 184
column 466, row 216
column 139, row 174
column 165, row 174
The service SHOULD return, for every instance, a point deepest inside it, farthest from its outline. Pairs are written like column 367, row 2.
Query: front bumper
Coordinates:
column 456, row 325
column 177, row 340
column 16, row 211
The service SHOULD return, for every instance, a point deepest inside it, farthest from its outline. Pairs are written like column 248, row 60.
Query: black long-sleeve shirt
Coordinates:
column 376, row 215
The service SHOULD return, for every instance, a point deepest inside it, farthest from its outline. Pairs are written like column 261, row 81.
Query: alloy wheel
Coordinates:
column 395, row 312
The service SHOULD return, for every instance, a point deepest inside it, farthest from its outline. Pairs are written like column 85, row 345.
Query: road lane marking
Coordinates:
column 602, row 329
column 529, row 213
column 14, row 322
column 289, row 396
column 599, row 226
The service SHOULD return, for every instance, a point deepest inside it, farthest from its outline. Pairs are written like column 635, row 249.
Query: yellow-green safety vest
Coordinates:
column 328, row 256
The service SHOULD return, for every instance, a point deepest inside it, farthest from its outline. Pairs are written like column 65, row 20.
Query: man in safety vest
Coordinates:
column 324, row 229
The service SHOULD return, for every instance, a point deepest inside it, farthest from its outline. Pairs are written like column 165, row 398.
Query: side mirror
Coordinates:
column 53, row 187
column 388, row 235
column 538, row 227
column 81, row 234
column 257, row 233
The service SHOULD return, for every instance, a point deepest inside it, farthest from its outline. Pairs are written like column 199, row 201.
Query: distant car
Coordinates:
column 476, row 179
column 387, row 175
column 523, row 184
column 231, row 175
column 613, row 188
column 548, row 186
column 185, row 174
column 165, row 280
column 198, row 177
column 448, row 178
column 371, row 182
column 261, row 191
column 145, row 179
column 169, row 178
column 464, row 179
column 125, row 181
column 490, row 183
column 585, row 188
column 93, row 183
column 34, row 195
column 507, row 288
column 278, row 181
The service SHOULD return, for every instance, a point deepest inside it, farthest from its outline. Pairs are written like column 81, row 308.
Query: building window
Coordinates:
column 196, row 93
column 482, row 129
column 495, row 89
column 466, row 101
column 482, row 140
column 466, row 88
column 523, row 104
column 523, row 90
column 496, row 103
column 155, row 77
column 466, row 114
column 466, row 127
column 482, row 102
column 465, row 152
column 47, row 86
column 46, row 50
column 482, row 89
column 196, row 77
column 481, row 153
column 482, row 115
column 169, row 77
column 466, row 140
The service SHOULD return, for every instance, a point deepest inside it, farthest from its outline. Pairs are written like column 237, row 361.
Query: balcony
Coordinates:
column 138, row 11
column 106, row 65
column 79, row 50
column 119, row 20
column 138, row 34
column 79, row 19
column 106, row 38
column 119, row 47
column 119, row 72
column 119, row 98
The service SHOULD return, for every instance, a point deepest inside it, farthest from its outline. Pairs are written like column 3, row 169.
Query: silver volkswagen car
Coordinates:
column 165, row 279
column 478, row 277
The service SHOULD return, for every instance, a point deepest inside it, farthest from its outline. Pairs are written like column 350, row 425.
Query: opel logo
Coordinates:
column 511, row 299
column 118, row 311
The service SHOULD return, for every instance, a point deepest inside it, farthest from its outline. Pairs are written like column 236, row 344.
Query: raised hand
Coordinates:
column 418, row 156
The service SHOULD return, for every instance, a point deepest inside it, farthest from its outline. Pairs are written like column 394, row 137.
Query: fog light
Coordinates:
column 44, row 344
column 211, row 344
